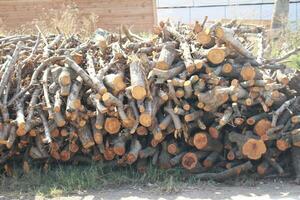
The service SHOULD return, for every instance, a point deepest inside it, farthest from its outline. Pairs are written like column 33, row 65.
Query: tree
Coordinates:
column 280, row 17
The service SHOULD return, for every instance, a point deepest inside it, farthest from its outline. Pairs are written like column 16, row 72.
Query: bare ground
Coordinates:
column 261, row 191
column 264, row 191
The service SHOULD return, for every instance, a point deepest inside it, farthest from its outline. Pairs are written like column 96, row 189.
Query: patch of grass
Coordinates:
column 294, row 61
column 288, row 41
column 65, row 179
column 69, row 179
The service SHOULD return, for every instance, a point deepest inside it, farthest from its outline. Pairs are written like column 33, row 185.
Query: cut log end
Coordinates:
column 200, row 140
column 231, row 155
column 189, row 161
column 145, row 119
column 98, row 137
column 65, row 80
column 109, row 154
column 199, row 64
column 249, row 102
column 131, row 158
column 254, row 149
column 119, row 83
column 227, row 68
column 138, row 92
column 238, row 121
column 250, row 121
column 21, row 131
column 282, row 145
column 88, row 144
column 262, row 126
column 73, row 147
column 119, row 150
column 204, row 38
column 112, row 125
column 216, row 56
column 158, row 136
column 60, row 123
column 172, row 149
column 190, row 68
column 219, row 32
column 141, row 130
column 248, row 73
column 55, row 133
column 295, row 119
column 65, row 155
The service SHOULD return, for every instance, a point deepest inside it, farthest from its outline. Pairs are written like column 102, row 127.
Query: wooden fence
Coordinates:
column 140, row 14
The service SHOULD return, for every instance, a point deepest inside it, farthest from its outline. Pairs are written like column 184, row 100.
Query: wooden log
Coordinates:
column 74, row 102
column 120, row 142
column 211, row 159
column 217, row 55
column 262, row 126
column 135, row 148
column 138, row 88
column 221, row 176
column 86, row 137
column 164, row 157
column 177, row 159
column 250, row 147
column 115, row 82
column 187, row 57
column 147, row 152
column 203, row 141
column 227, row 35
column 112, row 125
column 166, row 56
column 205, row 39
column 190, row 160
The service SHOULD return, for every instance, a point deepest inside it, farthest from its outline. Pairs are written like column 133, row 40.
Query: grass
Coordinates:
column 288, row 41
column 61, row 180
column 65, row 179
column 69, row 179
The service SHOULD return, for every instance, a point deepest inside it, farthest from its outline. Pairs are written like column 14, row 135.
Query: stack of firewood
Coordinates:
column 190, row 96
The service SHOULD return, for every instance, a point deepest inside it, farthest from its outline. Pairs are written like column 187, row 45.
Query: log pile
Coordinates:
column 194, row 97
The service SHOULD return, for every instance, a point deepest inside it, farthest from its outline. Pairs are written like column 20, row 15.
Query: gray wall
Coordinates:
column 191, row 13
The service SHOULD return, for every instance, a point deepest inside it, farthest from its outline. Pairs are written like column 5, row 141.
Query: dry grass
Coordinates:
column 68, row 20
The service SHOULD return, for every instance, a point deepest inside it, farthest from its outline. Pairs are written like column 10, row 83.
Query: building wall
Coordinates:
column 140, row 14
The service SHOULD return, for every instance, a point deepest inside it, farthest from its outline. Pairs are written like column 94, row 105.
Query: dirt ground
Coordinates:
column 261, row 191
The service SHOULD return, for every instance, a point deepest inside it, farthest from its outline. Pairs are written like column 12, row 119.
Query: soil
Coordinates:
column 264, row 190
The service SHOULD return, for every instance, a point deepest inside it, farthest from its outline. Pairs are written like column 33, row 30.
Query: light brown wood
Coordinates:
column 262, row 126
column 112, row 125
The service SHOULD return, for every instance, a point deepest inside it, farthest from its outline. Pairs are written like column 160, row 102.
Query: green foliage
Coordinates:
column 294, row 61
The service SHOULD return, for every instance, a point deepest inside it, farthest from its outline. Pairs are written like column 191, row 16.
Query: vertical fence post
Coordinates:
column 297, row 20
